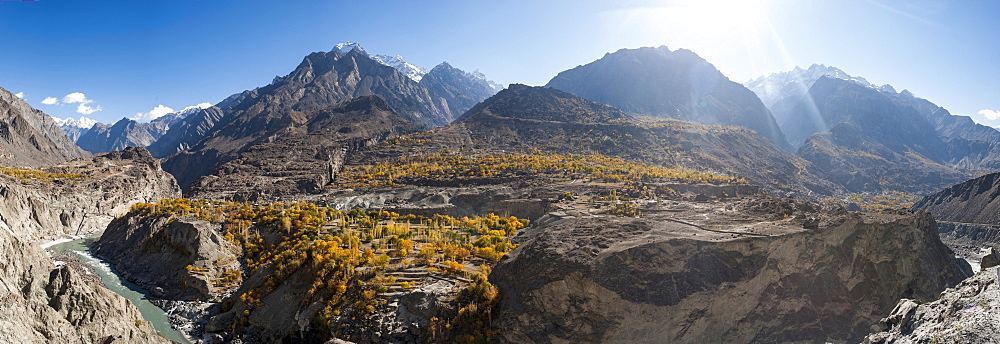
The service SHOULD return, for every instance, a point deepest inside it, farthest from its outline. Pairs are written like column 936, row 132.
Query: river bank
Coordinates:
column 65, row 250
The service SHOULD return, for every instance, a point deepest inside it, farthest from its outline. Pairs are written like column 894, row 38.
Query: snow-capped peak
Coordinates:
column 346, row 47
column 411, row 71
column 479, row 75
column 777, row 86
column 82, row 123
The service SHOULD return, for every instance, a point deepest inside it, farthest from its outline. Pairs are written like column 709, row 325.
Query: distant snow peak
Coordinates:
column 82, row 123
column 346, row 47
column 411, row 71
column 773, row 88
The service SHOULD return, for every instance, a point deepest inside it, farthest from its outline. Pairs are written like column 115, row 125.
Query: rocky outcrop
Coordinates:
column 967, row 313
column 628, row 280
column 112, row 182
column 972, row 201
column 42, row 303
column 179, row 258
column 29, row 137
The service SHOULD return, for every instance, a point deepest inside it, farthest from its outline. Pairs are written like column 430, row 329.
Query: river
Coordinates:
column 129, row 290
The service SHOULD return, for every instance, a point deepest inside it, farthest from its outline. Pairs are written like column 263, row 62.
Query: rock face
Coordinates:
column 42, row 303
column 304, row 153
column 322, row 80
column 967, row 313
column 973, row 201
column 180, row 258
column 29, row 137
column 669, row 84
column 631, row 280
column 114, row 181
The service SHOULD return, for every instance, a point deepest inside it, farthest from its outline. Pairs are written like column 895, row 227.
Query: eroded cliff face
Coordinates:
column 180, row 258
column 701, row 280
column 42, row 303
column 38, row 210
column 967, row 313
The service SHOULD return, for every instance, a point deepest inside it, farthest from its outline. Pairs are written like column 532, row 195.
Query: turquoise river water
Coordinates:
column 129, row 290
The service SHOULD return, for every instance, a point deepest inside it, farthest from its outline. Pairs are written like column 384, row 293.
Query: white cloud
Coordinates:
column 204, row 105
column 990, row 114
column 19, row 95
column 87, row 109
column 50, row 101
column 155, row 113
column 76, row 97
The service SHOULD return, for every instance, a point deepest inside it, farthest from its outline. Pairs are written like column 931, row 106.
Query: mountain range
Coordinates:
column 644, row 192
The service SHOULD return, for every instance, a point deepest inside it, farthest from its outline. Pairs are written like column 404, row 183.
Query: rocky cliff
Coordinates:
column 29, row 137
column 92, row 192
column 43, row 303
column 967, row 313
column 702, row 278
column 179, row 258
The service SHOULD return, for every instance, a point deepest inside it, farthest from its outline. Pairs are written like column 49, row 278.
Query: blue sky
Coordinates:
column 128, row 57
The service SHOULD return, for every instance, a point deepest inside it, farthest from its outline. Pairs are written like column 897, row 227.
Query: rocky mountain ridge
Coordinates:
column 321, row 80
column 29, row 137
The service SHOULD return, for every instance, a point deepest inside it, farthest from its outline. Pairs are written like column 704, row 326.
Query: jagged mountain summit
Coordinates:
column 29, row 137
column 75, row 127
column 410, row 70
column 216, row 135
column 669, row 84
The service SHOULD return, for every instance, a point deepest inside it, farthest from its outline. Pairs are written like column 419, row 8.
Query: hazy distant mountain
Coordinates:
column 461, row 89
column 669, row 84
column 773, row 88
column 865, row 141
column 124, row 133
column 127, row 132
column 323, row 79
column 29, row 137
